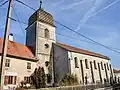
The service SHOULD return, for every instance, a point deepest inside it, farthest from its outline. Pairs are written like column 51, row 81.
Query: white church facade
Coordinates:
column 41, row 48
column 94, row 66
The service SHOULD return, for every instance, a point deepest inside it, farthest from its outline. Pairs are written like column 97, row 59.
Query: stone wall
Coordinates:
column 88, row 87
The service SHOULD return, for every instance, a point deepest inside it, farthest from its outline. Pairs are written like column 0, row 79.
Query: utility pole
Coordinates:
column 5, row 45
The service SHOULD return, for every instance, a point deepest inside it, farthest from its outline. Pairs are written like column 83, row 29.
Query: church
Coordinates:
column 57, row 59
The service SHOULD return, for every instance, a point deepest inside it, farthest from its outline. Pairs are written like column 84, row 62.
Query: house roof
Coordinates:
column 22, row 51
column 81, row 51
column 17, row 50
column 116, row 71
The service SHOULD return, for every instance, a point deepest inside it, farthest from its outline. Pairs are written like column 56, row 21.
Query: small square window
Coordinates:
column 7, row 63
column 28, row 65
column 27, row 79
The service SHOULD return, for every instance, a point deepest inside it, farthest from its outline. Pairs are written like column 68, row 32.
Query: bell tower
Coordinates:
column 40, row 35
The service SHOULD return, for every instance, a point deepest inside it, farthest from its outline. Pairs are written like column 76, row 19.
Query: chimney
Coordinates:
column 11, row 37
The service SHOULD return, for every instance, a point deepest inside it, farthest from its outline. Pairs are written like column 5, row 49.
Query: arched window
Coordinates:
column 86, row 64
column 111, row 70
column 102, row 66
column 76, row 62
column 107, row 66
column 47, row 34
column 95, row 66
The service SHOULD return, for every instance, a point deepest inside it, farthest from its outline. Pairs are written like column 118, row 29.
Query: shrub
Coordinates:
column 21, row 86
column 38, row 78
column 69, row 80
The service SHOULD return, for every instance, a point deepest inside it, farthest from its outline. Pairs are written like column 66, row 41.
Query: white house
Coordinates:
column 117, row 75
column 20, row 64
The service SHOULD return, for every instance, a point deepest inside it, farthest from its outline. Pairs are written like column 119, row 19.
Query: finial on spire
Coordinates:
column 40, row 4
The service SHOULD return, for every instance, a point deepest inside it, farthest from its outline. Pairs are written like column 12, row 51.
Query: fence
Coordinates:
column 83, row 87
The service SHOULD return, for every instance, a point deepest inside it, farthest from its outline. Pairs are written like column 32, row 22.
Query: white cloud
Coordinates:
column 113, row 3
column 96, row 4
column 92, row 12
column 97, row 27
column 59, row 3
column 73, row 5
column 106, row 35
column 110, row 39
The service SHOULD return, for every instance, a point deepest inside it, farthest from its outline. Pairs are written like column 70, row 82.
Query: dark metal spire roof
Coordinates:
column 40, row 4
column 41, row 15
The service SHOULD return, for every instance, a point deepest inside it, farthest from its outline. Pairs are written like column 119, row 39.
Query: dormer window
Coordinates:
column 47, row 34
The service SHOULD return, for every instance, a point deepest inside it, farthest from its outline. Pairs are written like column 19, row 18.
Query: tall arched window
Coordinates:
column 107, row 66
column 111, row 70
column 95, row 66
column 47, row 34
column 86, row 64
column 76, row 62
column 102, row 66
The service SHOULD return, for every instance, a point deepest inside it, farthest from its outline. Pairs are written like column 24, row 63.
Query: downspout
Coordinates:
column 53, row 72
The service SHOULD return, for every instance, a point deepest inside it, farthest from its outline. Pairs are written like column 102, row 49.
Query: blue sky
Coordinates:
column 97, row 19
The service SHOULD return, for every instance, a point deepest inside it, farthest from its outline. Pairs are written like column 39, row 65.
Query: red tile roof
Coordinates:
column 82, row 51
column 18, row 50
column 116, row 71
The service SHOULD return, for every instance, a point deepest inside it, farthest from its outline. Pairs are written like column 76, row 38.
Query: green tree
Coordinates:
column 69, row 79
column 38, row 78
